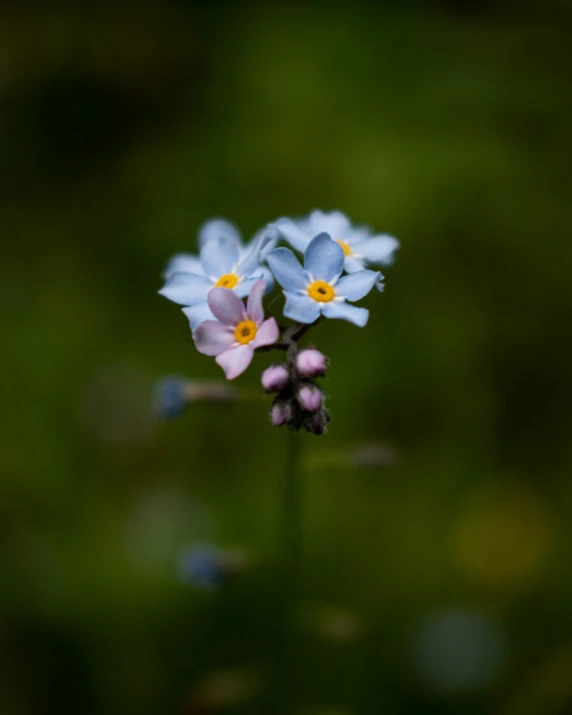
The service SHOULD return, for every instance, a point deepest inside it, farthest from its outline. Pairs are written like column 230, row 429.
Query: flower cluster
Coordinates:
column 334, row 274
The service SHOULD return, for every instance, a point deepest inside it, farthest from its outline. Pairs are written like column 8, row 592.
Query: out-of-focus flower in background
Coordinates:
column 114, row 403
column 206, row 565
column 334, row 624
column 161, row 521
column 503, row 536
column 459, row 650
column 174, row 393
column 367, row 455
column 224, row 689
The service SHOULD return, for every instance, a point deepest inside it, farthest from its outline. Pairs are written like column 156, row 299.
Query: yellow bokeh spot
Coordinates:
column 345, row 247
column 503, row 537
column 229, row 280
column 321, row 291
column 245, row 332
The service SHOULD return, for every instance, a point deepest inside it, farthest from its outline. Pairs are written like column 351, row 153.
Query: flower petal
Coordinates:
column 287, row 269
column 218, row 228
column 379, row 249
column 335, row 223
column 226, row 306
column 186, row 288
column 267, row 277
column 251, row 261
column 254, row 304
column 267, row 333
column 235, row 361
column 357, row 285
column 270, row 236
column 351, row 313
column 293, row 232
column 198, row 313
column 353, row 264
column 301, row 308
column 324, row 258
column 243, row 288
column 183, row 263
column 213, row 338
column 219, row 256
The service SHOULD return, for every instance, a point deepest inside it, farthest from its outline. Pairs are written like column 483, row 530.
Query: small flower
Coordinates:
column 280, row 413
column 234, row 339
column 310, row 398
column 221, row 267
column 311, row 363
column 173, row 394
column 206, row 565
column 317, row 289
column 202, row 566
column 218, row 228
column 360, row 247
column 275, row 378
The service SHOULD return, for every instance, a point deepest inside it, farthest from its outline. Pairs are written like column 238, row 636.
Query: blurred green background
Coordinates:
column 435, row 577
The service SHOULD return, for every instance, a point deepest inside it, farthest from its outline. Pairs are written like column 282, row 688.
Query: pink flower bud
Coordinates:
column 275, row 378
column 310, row 398
column 280, row 414
column 311, row 363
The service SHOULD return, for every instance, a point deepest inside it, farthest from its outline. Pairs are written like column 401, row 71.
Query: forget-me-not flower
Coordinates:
column 221, row 267
column 216, row 228
column 317, row 289
column 240, row 331
column 360, row 247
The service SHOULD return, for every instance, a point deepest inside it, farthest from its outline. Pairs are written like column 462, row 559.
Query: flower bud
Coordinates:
column 311, row 363
column 317, row 422
column 275, row 378
column 310, row 398
column 280, row 414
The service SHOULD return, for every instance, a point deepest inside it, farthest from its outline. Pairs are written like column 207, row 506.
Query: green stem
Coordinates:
column 291, row 545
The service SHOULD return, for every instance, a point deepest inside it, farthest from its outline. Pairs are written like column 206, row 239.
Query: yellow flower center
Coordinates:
column 345, row 247
column 245, row 332
column 321, row 291
column 229, row 280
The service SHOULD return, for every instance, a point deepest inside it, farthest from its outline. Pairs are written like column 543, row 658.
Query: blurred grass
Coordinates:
column 121, row 129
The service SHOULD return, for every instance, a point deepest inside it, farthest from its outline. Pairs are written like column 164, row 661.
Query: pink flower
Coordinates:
column 240, row 331
column 310, row 398
column 311, row 363
column 275, row 378
column 280, row 414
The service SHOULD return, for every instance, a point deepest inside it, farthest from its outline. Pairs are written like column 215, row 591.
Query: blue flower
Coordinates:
column 317, row 289
column 221, row 228
column 203, row 566
column 172, row 396
column 220, row 266
column 360, row 247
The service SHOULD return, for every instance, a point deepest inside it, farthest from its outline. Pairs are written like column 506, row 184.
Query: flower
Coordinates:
column 234, row 339
column 311, row 363
column 217, row 228
column 275, row 378
column 206, row 565
column 359, row 246
column 202, row 565
column 310, row 398
column 280, row 414
column 171, row 396
column 221, row 267
column 317, row 289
